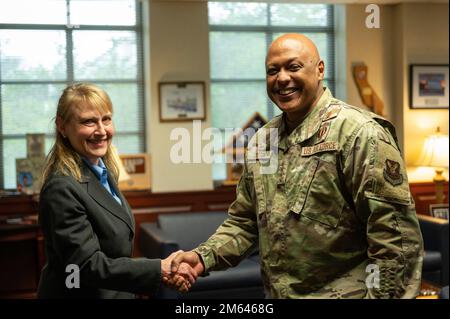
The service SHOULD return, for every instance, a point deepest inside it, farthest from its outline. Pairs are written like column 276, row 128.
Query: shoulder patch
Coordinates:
column 392, row 173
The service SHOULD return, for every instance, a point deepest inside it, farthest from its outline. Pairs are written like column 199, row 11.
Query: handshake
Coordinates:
column 181, row 269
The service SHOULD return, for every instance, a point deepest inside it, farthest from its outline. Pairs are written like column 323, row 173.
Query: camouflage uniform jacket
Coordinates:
column 335, row 220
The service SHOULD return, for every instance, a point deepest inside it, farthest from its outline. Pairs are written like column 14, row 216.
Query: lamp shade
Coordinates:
column 435, row 151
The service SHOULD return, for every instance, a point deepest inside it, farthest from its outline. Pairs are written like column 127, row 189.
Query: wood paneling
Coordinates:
column 22, row 258
column 22, row 247
column 16, row 205
column 147, row 206
column 424, row 195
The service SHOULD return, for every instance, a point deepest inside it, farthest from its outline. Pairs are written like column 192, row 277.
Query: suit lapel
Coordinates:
column 99, row 193
column 124, row 206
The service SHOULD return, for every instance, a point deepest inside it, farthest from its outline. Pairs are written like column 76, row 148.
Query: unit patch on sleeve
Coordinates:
column 392, row 173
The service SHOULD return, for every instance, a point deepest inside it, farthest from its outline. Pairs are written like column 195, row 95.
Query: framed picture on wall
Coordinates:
column 428, row 86
column 181, row 101
column 439, row 210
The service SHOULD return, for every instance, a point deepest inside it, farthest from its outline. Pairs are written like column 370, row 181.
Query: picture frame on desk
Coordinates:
column 439, row 211
column 137, row 167
column 28, row 174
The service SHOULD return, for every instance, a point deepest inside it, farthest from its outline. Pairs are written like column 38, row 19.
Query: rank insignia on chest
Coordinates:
column 331, row 112
column 392, row 173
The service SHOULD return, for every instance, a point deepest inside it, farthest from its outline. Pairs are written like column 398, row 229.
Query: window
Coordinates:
column 240, row 34
column 46, row 45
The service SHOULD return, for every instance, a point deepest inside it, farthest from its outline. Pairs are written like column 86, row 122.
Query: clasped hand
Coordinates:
column 181, row 269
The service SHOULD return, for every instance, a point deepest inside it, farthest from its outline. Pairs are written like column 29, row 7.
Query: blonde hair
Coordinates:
column 63, row 159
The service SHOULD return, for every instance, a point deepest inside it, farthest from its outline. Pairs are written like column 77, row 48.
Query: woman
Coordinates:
column 87, row 223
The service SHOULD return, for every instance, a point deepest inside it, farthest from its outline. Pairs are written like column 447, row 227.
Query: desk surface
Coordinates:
column 428, row 290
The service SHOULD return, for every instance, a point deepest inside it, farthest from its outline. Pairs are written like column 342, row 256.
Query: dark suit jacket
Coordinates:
column 85, row 226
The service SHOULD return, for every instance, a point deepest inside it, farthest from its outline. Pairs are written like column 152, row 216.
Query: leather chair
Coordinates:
column 186, row 231
column 436, row 241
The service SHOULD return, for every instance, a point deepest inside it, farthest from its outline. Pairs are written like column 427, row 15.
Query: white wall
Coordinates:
column 372, row 47
column 409, row 33
column 179, row 51
column 425, row 40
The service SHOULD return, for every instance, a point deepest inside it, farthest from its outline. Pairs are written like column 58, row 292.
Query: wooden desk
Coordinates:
column 424, row 195
column 22, row 250
column 22, row 258
column 428, row 291
column 22, row 247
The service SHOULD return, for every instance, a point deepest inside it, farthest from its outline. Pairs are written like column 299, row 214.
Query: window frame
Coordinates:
column 269, row 30
column 68, row 29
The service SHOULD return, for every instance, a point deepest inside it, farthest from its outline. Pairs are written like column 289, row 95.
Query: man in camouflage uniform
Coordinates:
column 336, row 219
